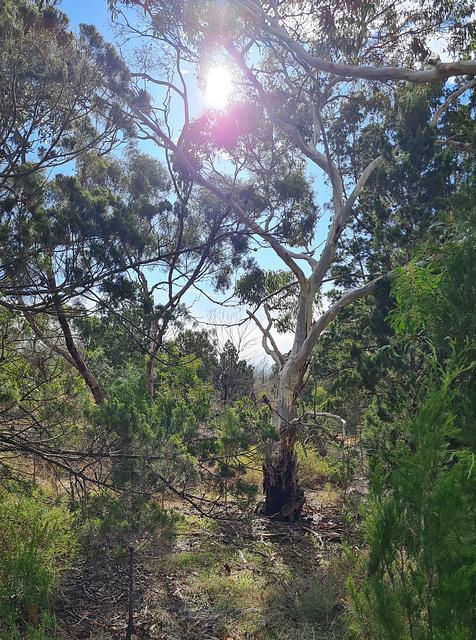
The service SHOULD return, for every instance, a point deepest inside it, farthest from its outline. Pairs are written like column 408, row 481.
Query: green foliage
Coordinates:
column 118, row 519
column 422, row 534
column 409, row 196
column 37, row 545
column 152, row 437
column 278, row 288
column 109, row 345
column 233, row 438
column 41, row 399
column 417, row 294
column 55, row 85
column 436, row 301
column 234, row 378
column 241, row 433
column 455, row 320
column 313, row 468
column 421, row 526
column 351, row 362
column 414, row 134
column 200, row 345
column 152, row 444
column 233, row 433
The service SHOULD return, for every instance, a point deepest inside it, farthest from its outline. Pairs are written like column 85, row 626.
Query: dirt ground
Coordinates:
column 217, row 579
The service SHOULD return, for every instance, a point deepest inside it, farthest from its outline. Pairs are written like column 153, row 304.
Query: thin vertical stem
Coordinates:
column 130, row 624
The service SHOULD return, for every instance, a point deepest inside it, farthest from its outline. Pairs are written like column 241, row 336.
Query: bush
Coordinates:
column 313, row 469
column 37, row 545
column 421, row 568
column 115, row 520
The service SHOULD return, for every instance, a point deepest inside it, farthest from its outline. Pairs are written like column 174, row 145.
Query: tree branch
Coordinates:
column 439, row 73
column 274, row 352
column 453, row 96
column 49, row 343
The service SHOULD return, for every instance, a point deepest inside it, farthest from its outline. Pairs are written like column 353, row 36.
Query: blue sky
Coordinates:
column 88, row 11
column 95, row 12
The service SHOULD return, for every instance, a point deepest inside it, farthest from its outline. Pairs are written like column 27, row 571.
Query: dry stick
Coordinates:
column 130, row 624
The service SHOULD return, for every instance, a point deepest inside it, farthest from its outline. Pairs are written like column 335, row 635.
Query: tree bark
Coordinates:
column 273, row 24
column 76, row 358
column 284, row 496
column 79, row 363
column 155, row 340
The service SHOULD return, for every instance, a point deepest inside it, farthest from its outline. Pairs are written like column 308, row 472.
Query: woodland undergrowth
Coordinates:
column 194, row 577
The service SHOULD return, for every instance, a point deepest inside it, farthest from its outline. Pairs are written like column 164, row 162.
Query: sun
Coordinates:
column 219, row 86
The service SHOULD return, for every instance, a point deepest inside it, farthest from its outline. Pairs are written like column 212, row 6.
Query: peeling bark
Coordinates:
column 284, row 496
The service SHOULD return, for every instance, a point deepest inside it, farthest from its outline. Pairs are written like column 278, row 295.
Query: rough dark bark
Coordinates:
column 284, row 496
column 81, row 366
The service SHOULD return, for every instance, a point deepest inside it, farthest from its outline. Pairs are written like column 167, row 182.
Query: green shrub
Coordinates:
column 313, row 468
column 37, row 545
column 421, row 569
column 117, row 518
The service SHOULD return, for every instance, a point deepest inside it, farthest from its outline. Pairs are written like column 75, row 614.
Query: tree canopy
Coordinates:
column 346, row 149
column 365, row 101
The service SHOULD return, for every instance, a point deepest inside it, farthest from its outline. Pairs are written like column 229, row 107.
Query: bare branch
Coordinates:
column 274, row 352
column 462, row 146
column 439, row 73
column 453, row 96
column 323, row 414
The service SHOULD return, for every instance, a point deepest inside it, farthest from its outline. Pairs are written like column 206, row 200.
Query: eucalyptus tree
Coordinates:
column 316, row 85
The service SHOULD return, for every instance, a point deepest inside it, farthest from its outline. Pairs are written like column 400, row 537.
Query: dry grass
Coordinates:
column 279, row 584
column 219, row 580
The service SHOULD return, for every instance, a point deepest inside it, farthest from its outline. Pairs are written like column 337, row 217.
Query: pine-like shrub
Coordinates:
column 421, row 526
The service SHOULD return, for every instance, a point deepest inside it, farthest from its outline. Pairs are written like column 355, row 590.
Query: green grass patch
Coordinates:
column 314, row 470
column 195, row 559
column 272, row 589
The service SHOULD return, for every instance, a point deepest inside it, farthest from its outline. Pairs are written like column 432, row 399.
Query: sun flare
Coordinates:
column 219, row 86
